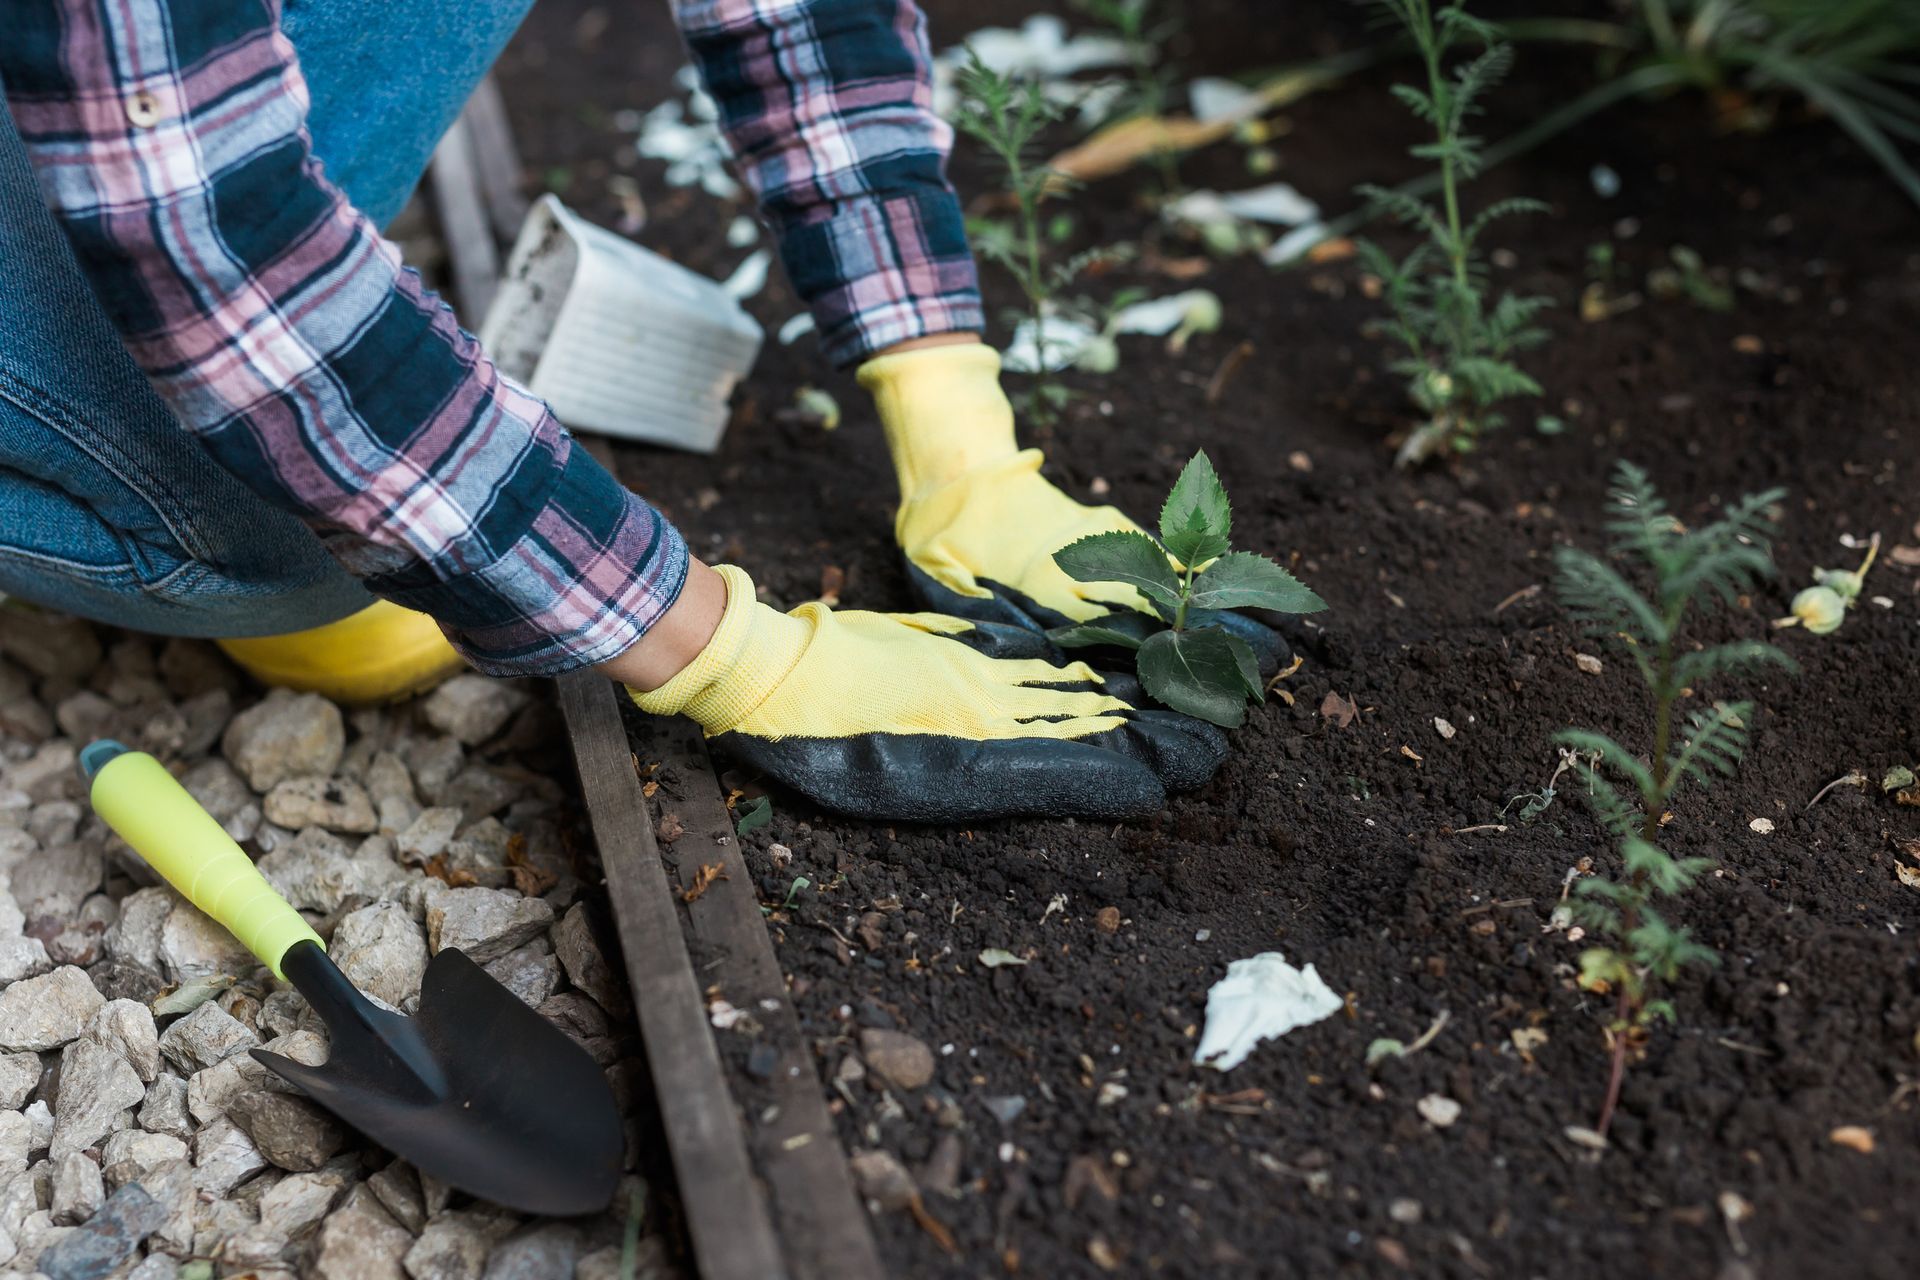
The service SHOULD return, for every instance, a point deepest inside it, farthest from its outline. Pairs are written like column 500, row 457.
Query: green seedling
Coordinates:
column 753, row 815
column 1637, row 951
column 1689, row 278
column 1007, row 115
column 792, row 899
column 1459, row 341
column 1822, row 607
column 1188, row 576
column 1599, row 301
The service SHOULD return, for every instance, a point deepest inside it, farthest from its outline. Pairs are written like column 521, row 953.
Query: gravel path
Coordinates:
column 137, row 1137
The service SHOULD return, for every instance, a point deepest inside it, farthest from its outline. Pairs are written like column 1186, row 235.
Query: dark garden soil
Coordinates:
column 1342, row 844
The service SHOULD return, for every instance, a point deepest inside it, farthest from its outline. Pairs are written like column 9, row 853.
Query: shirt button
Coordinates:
column 143, row 109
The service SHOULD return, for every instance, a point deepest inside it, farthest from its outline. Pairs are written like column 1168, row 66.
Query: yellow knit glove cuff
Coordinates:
column 943, row 412
column 751, row 652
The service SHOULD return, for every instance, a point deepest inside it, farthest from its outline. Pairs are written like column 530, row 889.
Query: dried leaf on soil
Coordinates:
column 1909, row 876
column 1854, row 1137
column 1341, row 711
column 703, row 880
column 670, row 828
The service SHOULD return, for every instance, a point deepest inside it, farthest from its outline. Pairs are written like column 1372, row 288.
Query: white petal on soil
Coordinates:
column 1216, row 98
column 742, row 231
column 1261, row 998
column 750, row 276
column 1276, row 203
column 1066, row 339
column 796, row 328
column 1157, row 316
column 1040, row 50
column 1294, row 243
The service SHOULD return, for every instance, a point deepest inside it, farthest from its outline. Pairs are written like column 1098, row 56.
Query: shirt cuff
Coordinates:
column 595, row 569
column 880, row 270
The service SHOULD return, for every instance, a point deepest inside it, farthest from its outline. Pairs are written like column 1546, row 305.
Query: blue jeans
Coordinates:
column 108, row 507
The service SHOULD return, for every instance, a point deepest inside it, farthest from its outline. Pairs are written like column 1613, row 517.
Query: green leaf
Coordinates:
column 1125, row 630
column 1132, row 558
column 1196, row 520
column 1207, row 674
column 757, row 814
column 1242, row 579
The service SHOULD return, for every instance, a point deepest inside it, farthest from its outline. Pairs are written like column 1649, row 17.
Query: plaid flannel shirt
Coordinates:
column 169, row 138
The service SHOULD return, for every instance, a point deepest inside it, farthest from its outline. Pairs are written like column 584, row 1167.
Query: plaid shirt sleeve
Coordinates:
column 828, row 107
column 169, row 137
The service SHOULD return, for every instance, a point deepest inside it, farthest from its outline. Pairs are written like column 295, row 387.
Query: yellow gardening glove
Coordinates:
column 977, row 522
column 895, row 716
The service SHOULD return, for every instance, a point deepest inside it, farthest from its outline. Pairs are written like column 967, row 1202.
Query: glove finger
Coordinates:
column 1182, row 752
column 939, row 779
column 1005, row 640
column 1005, row 605
column 1269, row 647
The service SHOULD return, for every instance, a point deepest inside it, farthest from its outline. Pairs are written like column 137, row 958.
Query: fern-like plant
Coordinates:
column 1006, row 115
column 1688, row 572
column 1459, row 346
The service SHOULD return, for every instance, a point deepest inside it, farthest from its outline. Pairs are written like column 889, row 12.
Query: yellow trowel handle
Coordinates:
column 150, row 811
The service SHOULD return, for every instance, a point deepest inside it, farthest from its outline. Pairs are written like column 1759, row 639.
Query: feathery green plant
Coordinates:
column 1691, row 571
column 1006, row 115
column 1184, row 657
column 1460, row 344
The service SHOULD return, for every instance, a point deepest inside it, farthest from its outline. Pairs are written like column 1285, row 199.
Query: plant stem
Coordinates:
column 1186, row 595
column 1619, row 1069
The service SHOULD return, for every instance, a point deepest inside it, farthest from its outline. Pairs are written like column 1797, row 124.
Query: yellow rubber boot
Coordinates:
column 381, row 654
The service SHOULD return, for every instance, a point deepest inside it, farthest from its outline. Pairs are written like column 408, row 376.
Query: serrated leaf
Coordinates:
column 1124, row 630
column 1130, row 558
column 1196, row 506
column 1242, row 580
column 1197, row 673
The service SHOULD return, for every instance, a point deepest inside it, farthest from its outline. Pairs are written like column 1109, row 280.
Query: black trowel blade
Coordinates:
column 475, row 1089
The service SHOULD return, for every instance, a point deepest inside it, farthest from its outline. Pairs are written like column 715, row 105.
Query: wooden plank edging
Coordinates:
column 725, row 1207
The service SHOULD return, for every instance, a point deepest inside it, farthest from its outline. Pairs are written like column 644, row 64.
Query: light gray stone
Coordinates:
column 483, row 923
column 454, row 1246
column 428, row 835
column 536, row 1254
column 46, row 1012
column 337, row 804
column 482, row 847
column 19, row 1077
column 473, row 707
column 586, row 965
column 223, row 793
column 54, row 882
column 40, row 1125
column 530, row 972
column 135, row 936
column 382, row 952
column 398, row 1188
column 434, row 763
column 47, row 774
column 155, row 1266
column 126, row 1027
column 204, row 1037
column 298, row 1201
column 361, row 1241
column 902, row 1059
column 86, row 715
column 132, row 1154
column 96, row 1085
column 193, row 946
column 287, row 735
column 223, row 1158
column 390, row 787
column 78, row 1189
column 164, row 1110
column 317, row 873
column 22, row 958
column 16, row 1144
column 289, row 1131
column 481, row 790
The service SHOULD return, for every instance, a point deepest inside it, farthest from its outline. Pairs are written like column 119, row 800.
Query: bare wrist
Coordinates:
column 677, row 637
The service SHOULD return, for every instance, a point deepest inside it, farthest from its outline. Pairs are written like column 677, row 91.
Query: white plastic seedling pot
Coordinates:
column 616, row 338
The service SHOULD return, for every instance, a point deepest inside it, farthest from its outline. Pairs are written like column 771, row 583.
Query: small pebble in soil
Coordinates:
column 1107, row 920
column 1438, row 1110
column 1761, row 826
